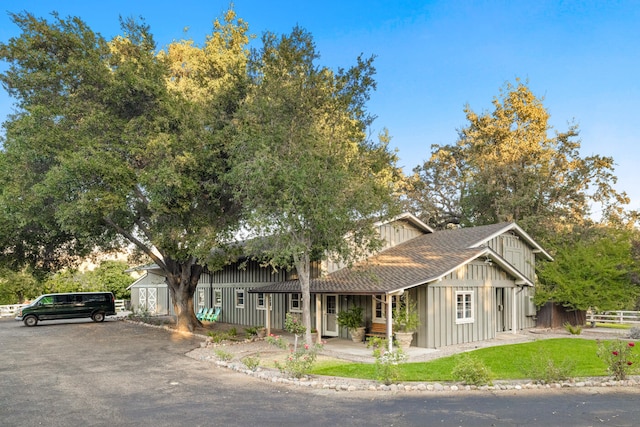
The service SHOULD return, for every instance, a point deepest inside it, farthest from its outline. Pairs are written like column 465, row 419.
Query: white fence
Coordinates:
column 10, row 310
column 120, row 305
column 620, row 317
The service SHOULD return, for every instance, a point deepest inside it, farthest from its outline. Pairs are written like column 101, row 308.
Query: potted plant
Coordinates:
column 353, row 321
column 406, row 321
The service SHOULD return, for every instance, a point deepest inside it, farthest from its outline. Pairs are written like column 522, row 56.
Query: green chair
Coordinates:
column 199, row 313
column 206, row 313
column 213, row 315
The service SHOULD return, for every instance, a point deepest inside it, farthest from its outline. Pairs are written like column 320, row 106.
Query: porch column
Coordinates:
column 319, row 318
column 389, row 300
column 267, row 316
column 514, row 317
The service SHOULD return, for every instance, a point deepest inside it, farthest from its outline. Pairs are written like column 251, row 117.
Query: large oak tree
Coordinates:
column 509, row 164
column 114, row 143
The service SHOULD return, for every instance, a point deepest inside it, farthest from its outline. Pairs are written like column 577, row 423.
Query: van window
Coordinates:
column 94, row 297
column 46, row 300
column 62, row 299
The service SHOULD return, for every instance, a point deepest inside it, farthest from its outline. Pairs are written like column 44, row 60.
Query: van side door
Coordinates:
column 63, row 306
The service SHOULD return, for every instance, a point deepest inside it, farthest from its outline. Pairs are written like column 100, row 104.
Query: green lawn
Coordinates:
column 505, row 362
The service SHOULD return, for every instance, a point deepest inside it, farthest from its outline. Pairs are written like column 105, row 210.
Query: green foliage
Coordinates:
column 352, row 318
column 505, row 362
column 299, row 362
column 117, row 145
column 304, row 168
column 406, row 317
column 620, row 356
column 277, row 341
column 108, row 276
column 251, row 331
column 543, row 368
column 507, row 166
column 599, row 271
column 218, row 337
column 388, row 363
column 573, row 330
column 293, row 325
column 471, row 371
column 18, row 287
column 223, row 355
column 251, row 362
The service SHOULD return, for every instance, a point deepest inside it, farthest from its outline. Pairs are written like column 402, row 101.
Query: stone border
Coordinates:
column 354, row 384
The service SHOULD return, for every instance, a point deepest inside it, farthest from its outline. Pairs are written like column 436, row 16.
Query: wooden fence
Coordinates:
column 619, row 317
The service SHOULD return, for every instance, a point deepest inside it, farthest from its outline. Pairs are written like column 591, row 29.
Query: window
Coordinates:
column 239, row 298
column 261, row 301
column 464, row 307
column 380, row 307
column 295, row 302
column 217, row 297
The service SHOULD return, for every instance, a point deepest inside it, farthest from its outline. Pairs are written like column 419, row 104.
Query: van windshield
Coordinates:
column 45, row 300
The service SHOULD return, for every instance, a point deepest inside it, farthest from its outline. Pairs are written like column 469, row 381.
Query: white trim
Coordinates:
column 297, row 309
column 537, row 249
column 262, row 306
column 237, row 293
column 467, row 306
column 409, row 217
column 217, row 302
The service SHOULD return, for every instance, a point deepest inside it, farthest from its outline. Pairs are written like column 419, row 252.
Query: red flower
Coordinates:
column 631, row 344
column 615, row 353
column 629, row 363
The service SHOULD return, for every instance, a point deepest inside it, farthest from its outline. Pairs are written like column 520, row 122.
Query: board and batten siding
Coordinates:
column 437, row 304
column 517, row 252
column 392, row 234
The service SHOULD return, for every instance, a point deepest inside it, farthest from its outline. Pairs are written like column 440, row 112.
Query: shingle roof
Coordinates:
column 421, row 260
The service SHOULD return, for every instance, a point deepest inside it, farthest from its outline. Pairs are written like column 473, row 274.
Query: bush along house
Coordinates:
column 465, row 284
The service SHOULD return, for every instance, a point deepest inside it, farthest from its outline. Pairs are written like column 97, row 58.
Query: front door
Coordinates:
column 330, row 326
column 500, row 298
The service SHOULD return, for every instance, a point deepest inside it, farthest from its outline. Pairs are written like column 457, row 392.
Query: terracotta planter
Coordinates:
column 404, row 339
column 357, row 334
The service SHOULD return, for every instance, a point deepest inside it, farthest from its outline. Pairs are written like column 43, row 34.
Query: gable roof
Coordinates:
column 421, row 260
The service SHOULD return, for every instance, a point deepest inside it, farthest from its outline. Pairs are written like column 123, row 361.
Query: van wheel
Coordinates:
column 30, row 321
column 98, row 317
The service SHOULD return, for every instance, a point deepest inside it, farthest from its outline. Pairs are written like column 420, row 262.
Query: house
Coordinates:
column 468, row 284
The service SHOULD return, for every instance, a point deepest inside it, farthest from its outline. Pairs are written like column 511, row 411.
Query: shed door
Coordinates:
column 329, row 315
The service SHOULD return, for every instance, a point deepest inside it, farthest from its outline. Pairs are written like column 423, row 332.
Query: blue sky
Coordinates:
column 433, row 57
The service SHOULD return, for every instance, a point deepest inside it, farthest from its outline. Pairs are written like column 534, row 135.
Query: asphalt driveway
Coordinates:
column 77, row 372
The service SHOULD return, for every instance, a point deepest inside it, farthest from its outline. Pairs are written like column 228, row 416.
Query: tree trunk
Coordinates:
column 182, row 281
column 303, row 268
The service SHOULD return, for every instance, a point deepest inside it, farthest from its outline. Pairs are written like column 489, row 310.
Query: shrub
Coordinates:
column 251, row 332
column 251, row 362
column 277, row 341
column 223, row 355
column 387, row 362
column 544, row 369
column 218, row 337
column 619, row 356
column 573, row 330
column 299, row 362
column 472, row 371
